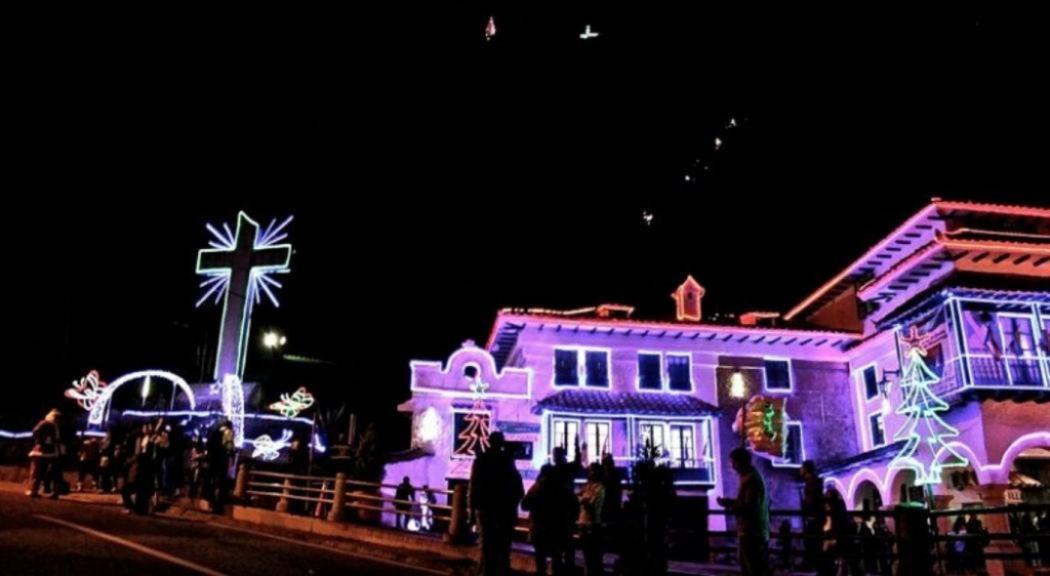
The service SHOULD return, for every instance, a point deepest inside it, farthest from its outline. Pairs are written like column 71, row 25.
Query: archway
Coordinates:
column 867, row 496
column 98, row 410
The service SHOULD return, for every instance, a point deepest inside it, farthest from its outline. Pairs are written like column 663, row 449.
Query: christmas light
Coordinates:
column 233, row 406
column 923, row 430
column 476, row 436
column 474, row 355
column 238, row 268
column 15, row 435
column 208, row 414
column 291, row 405
column 87, row 390
column 98, row 408
column 269, row 449
column 317, row 445
column 490, row 29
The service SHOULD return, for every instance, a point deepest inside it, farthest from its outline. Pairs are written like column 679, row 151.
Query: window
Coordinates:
column 597, row 363
column 683, row 446
column 1017, row 335
column 778, row 375
column 653, row 436
column 567, row 362
column 565, row 435
column 649, row 377
column 566, row 371
column 871, row 382
column 599, row 442
column 679, row 378
column 794, row 452
column 877, row 425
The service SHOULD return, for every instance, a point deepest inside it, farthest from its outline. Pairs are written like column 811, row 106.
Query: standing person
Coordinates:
column 426, row 512
column 88, row 463
column 43, row 457
column 784, row 542
column 564, row 474
column 550, row 505
column 975, row 544
column 839, row 532
column 613, row 482
column 404, row 496
column 107, row 479
column 493, row 496
column 882, row 546
column 592, row 501
column 129, row 468
column 1030, row 544
column 220, row 452
column 198, row 466
column 812, row 514
column 957, row 546
column 1044, row 542
column 146, row 470
column 751, row 509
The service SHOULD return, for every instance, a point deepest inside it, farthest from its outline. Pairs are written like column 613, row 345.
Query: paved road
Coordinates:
column 64, row 538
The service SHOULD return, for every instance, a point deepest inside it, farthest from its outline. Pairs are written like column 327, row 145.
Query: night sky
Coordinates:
column 436, row 177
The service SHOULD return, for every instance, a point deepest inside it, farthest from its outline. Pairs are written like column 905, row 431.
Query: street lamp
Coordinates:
column 273, row 340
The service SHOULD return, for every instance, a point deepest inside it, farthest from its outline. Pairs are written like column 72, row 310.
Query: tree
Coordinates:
column 475, row 437
column 924, row 431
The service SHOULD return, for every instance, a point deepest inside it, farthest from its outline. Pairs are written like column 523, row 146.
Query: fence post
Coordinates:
column 457, row 526
column 282, row 504
column 338, row 498
column 913, row 541
column 240, row 487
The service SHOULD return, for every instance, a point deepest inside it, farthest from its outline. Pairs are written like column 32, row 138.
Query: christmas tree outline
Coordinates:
column 476, row 434
column 920, row 406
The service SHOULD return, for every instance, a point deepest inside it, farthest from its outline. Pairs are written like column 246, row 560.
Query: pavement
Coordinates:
column 90, row 534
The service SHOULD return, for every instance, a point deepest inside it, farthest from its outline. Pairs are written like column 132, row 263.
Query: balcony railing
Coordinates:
column 988, row 371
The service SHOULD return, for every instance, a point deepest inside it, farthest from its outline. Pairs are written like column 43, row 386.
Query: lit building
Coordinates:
column 924, row 363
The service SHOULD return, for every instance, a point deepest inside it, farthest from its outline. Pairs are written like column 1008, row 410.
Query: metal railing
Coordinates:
column 913, row 539
column 333, row 497
column 909, row 540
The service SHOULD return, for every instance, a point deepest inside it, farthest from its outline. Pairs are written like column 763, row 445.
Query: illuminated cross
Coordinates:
column 240, row 263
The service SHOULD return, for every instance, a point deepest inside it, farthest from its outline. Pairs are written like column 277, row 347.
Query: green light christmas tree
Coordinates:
column 924, row 431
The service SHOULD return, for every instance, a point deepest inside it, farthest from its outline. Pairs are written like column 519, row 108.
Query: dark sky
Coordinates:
column 436, row 177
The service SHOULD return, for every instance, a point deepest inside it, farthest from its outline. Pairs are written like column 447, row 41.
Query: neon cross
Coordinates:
column 242, row 265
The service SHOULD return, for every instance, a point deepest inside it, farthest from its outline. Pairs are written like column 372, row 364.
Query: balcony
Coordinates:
column 1005, row 372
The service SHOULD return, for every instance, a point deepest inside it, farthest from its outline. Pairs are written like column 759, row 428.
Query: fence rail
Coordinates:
column 915, row 540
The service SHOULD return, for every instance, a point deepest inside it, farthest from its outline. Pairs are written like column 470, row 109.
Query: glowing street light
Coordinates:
column 273, row 340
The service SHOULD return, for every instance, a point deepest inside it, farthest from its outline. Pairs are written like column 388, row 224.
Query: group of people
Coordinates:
column 1034, row 532
column 146, row 461
column 965, row 548
column 833, row 542
column 556, row 509
column 414, row 510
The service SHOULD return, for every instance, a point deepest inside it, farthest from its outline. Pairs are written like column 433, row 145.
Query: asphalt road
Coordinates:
column 71, row 538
